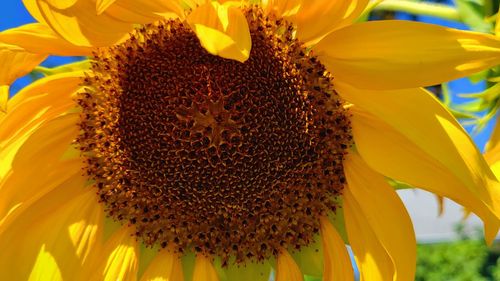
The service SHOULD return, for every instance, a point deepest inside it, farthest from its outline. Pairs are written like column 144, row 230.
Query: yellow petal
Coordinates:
column 494, row 140
column 39, row 101
column 81, row 26
column 62, row 4
column 492, row 154
column 337, row 262
column 287, row 269
column 192, row 4
column 102, row 5
column 283, row 8
column 142, row 12
column 15, row 62
column 222, row 30
column 315, row 19
column 42, row 145
column 118, row 260
column 409, row 136
column 493, row 158
column 372, row 207
column 403, row 54
column 45, row 267
column 56, row 237
column 33, row 9
column 40, row 39
column 166, row 266
column 19, row 192
column 4, row 96
column 34, row 108
column 43, row 149
column 373, row 262
column 204, row 269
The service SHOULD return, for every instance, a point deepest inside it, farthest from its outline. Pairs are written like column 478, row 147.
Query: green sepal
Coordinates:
column 399, row 184
column 70, row 67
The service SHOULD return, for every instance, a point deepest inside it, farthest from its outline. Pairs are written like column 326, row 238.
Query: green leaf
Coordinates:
column 461, row 114
column 472, row 13
column 480, row 76
column 311, row 278
column 477, row 105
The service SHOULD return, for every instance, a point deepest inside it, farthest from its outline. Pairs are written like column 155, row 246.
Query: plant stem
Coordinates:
column 420, row 8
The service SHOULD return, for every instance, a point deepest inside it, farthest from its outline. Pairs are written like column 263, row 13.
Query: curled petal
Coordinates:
column 222, row 30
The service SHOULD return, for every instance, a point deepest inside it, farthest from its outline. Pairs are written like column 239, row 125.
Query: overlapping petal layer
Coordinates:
column 166, row 266
column 79, row 23
column 60, row 236
column 204, row 269
column 379, row 228
column 402, row 54
column 102, row 5
column 38, row 38
column 15, row 62
column 118, row 259
column 142, row 12
column 492, row 154
column 336, row 258
column 391, row 127
column 32, row 107
column 222, row 30
column 315, row 19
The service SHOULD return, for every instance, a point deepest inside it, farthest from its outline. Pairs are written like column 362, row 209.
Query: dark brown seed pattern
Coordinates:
column 235, row 160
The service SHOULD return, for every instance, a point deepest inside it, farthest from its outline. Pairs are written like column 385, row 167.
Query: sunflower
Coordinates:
column 228, row 140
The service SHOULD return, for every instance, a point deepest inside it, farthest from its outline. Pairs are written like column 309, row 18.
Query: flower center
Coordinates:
column 235, row 160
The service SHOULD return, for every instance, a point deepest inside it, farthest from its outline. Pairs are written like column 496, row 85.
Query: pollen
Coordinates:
column 233, row 160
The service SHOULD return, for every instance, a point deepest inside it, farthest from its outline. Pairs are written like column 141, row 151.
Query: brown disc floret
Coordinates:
column 209, row 154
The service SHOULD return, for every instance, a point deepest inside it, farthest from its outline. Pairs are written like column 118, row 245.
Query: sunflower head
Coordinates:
column 213, row 155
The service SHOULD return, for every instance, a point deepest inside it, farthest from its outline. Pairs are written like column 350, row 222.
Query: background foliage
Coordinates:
column 467, row 259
